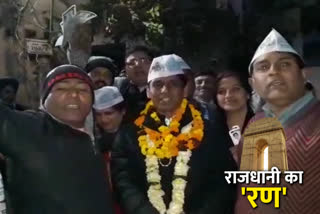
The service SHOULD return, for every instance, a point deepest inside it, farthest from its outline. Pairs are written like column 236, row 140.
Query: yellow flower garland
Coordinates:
column 163, row 143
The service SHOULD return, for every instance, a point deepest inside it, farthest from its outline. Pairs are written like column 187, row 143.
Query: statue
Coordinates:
column 77, row 35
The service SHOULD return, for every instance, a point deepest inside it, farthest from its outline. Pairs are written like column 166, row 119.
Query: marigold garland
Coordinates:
column 166, row 142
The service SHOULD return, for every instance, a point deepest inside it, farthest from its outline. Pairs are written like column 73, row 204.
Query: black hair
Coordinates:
column 120, row 106
column 309, row 86
column 206, row 73
column 183, row 78
column 140, row 48
column 298, row 60
column 242, row 80
column 104, row 62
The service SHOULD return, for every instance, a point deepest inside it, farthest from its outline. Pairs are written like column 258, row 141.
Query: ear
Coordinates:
column 148, row 92
column 304, row 75
column 185, row 91
column 250, row 81
column 44, row 105
column 189, row 89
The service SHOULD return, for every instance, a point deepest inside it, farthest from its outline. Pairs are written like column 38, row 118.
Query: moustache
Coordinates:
column 100, row 83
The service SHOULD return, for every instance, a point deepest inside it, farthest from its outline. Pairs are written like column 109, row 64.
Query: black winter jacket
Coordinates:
column 51, row 167
column 135, row 99
column 207, row 191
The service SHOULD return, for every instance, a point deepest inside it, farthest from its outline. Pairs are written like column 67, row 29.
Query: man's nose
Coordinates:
column 274, row 69
column 228, row 94
column 105, row 119
column 164, row 89
column 137, row 63
column 73, row 93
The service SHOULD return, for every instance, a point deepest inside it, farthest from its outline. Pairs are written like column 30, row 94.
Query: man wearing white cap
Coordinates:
column 278, row 78
column 171, row 160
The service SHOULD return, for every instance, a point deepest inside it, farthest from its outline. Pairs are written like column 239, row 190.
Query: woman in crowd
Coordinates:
column 109, row 110
column 232, row 97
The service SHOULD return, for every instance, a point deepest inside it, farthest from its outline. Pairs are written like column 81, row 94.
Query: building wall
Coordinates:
column 33, row 23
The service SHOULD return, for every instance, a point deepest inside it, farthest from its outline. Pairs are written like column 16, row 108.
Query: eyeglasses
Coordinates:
column 137, row 61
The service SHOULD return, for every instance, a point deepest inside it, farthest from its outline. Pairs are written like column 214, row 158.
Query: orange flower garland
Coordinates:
column 165, row 143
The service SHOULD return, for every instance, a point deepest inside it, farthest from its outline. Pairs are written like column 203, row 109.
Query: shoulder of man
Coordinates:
column 121, row 83
column 16, row 127
column 257, row 116
column 126, row 135
column 20, row 107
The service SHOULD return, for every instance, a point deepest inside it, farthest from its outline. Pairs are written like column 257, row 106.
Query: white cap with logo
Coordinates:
column 274, row 42
column 106, row 97
column 166, row 66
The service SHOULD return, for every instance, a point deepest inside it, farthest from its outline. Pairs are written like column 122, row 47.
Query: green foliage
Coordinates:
column 146, row 12
column 153, row 24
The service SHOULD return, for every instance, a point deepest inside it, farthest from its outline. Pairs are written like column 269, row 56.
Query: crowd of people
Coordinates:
column 157, row 140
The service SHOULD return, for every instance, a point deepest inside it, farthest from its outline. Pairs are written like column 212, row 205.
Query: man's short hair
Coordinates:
column 207, row 72
column 298, row 60
column 120, row 106
column 140, row 48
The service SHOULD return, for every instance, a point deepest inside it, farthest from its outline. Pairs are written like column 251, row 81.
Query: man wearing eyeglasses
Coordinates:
column 133, row 86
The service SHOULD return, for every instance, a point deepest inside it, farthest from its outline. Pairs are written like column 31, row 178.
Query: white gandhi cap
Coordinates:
column 106, row 97
column 274, row 42
column 166, row 66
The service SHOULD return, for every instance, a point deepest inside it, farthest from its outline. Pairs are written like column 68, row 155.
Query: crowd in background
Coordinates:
column 89, row 148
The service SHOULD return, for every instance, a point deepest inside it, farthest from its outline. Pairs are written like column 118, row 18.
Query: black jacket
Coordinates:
column 206, row 192
column 105, row 141
column 51, row 167
column 135, row 99
column 221, row 118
